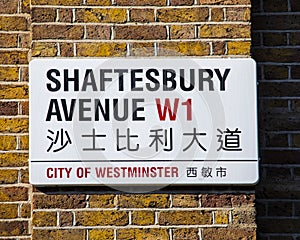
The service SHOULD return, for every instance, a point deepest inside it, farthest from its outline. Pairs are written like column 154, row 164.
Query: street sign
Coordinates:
column 143, row 121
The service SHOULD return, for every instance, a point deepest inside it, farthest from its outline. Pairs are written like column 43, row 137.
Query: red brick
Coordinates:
column 140, row 32
column 215, row 200
column 57, row 32
column 219, row 48
column 41, row 201
column 8, row 6
column 8, row 108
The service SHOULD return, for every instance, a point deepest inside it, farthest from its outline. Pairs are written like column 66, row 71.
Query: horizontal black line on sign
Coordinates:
column 124, row 161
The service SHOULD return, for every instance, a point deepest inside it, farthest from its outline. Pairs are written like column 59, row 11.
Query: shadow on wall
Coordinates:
column 276, row 49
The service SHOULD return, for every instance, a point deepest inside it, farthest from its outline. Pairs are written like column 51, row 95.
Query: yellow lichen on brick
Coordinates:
column 184, row 49
column 42, row 219
column 13, row 159
column 98, row 2
column 224, row 31
column 8, row 176
column 57, row 2
column 143, row 218
column 101, row 49
column 13, row 91
column 8, row 211
column 40, row 49
column 13, row 125
column 104, row 218
column 24, row 142
column 8, row 143
column 238, row 48
column 13, row 23
column 105, row 15
column 221, row 217
column 9, row 73
column 143, row 234
column 182, row 14
column 102, row 201
column 100, row 234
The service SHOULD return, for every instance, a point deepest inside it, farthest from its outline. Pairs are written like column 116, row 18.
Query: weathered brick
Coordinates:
column 8, row 211
column 43, row 15
column 101, row 49
column 57, row 2
column 224, row 2
column 239, row 200
column 275, row 6
column 24, row 176
column 280, row 209
column 65, row 15
column 13, row 92
column 44, row 219
column 294, row 38
column 217, row 14
column 25, row 40
column 238, row 48
column 101, row 15
column 152, row 32
column 276, row 22
column 141, row 2
column 25, row 108
column 66, row 49
column 181, row 2
column 182, row 32
column 221, row 217
column 13, row 23
column 11, row 194
column 224, row 31
column 100, row 234
column 195, row 217
column 65, row 219
column 13, row 57
column 8, row 142
column 243, row 216
column 58, row 234
column 98, row 2
column 57, row 32
column 182, row 14
column 8, row 40
column 9, row 74
column 215, row 200
column 183, row 49
column 41, row 49
column 219, row 48
column 142, row 49
column 185, row 200
column 25, row 6
column 98, row 32
column 13, row 228
column 141, row 15
column 144, row 201
column 186, row 234
column 102, row 201
column 13, row 125
column 238, row 14
column 13, row 159
column 26, row 210
column 143, row 234
column 8, row 6
column 276, row 39
column 8, row 176
column 296, row 140
column 8, row 108
column 24, row 142
column 295, row 5
column 41, row 201
column 272, row 72
column 24, row 74
column 102, row 218
column 228, row 233
column 143, row 218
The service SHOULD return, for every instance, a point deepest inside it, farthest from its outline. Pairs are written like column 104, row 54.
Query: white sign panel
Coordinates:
column 147, row 121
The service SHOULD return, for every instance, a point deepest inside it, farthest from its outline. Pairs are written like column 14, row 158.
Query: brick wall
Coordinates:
column 90, row 28
column 276, row 49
